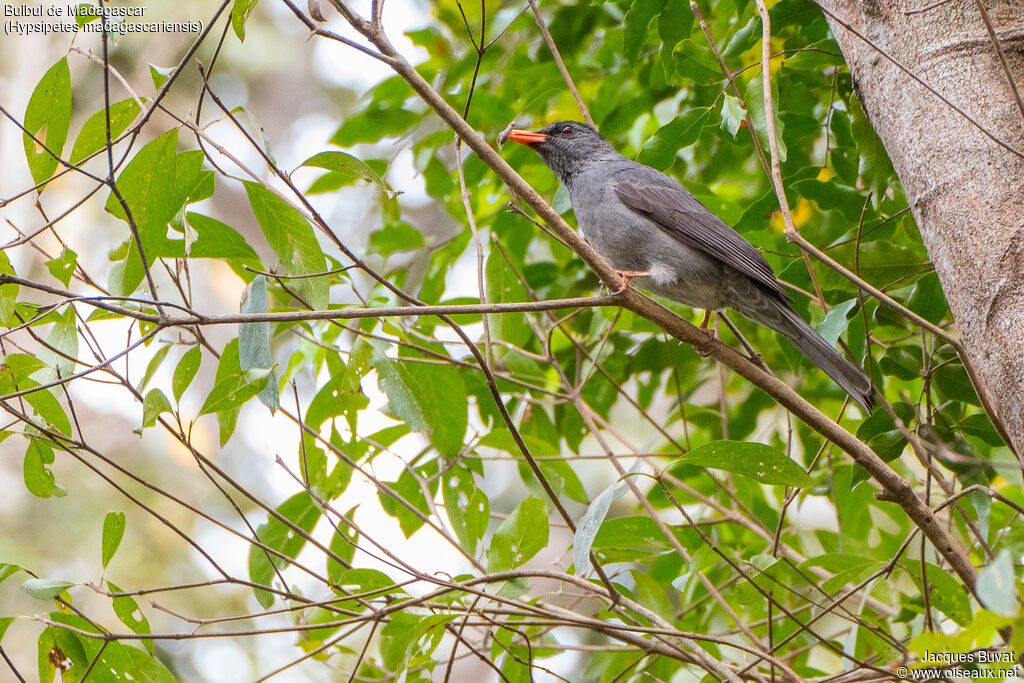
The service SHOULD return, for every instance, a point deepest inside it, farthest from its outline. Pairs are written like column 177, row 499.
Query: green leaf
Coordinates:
column 429, row 398
column 503, row 286
column 637, row 20
column 392, row 238
column 695, row 61
column 874, row 165
column 903, row 361
column 45, row 589
column 254, row 340
column 521, row 536
column 8, row 570
column 185, row 371
column 234, row 391
column 950, row 596
column 558, row 472
column 39, row 480
column 160, row 74
column 346, row 168
column 85, row 13
column 816, row 57
column 954, row 383
column 153, row 406
column 744, row 38
column 373, row 124
column 47, row 117
column 303, row 512
column 63, row 338
column 291, row 237
column 93, row 136
column 216, row 240
column 129, row 614
column 409, row 504
column 155, row 185
column 369, row 580
column 8, row 294
column 831, row 196
column 466, row 506
column 406, row 399
column 763, row 463
column 228, row 373
column 61, row 652
column 396, row 638
column 834, row 323
column 154, row 364
column 113, row 532
column 661, row 149
column 240, row 11
column 62, row 267
column 630, row 532
column 754, row 97
column 928, row 300
column 48, row 407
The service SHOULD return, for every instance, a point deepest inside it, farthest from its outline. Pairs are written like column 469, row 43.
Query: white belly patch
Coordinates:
column 662, row 275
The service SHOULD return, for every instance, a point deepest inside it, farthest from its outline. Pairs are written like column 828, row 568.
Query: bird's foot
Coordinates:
column 627, row 276
column 704, row 348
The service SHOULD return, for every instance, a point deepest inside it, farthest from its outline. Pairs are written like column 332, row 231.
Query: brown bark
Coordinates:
column 964, row 181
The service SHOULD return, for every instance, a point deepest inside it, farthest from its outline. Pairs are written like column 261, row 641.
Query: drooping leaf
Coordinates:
column 280, row 535
column 39, row 479
column 113, row 532
column 47, row 118
column 185, row 371
column 129, row 614
column 240, row 11
column 291, row 237
column 254, row 340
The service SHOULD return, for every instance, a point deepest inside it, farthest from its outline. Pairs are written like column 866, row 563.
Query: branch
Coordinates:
column 896, row 488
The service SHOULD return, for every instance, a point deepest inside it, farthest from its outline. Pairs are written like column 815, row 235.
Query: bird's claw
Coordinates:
column 703, row 348
column 627, row 277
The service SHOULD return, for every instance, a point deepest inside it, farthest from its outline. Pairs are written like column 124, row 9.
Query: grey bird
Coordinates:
column 653, row 230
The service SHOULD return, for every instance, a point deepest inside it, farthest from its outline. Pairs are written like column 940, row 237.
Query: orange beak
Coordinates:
column 527, row 137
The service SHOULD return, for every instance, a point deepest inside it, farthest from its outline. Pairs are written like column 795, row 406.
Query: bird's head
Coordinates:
column 565, row 146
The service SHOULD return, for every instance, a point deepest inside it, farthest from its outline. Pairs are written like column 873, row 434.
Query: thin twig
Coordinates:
column 558, row 60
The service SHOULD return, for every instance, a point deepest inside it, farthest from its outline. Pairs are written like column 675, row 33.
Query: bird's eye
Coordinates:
column 566, row 130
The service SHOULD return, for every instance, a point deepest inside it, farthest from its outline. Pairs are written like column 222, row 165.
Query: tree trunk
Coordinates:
column 965, row 188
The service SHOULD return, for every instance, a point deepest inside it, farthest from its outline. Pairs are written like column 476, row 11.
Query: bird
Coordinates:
column 660, row 237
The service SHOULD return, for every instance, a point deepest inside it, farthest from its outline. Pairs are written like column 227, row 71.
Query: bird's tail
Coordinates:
column 787, row 322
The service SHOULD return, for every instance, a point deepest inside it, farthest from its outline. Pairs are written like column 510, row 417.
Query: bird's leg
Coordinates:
column 627, row 276
column 755, row 357
column 703, row 347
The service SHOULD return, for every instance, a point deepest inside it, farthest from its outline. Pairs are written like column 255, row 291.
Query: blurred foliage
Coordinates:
column 703, row 551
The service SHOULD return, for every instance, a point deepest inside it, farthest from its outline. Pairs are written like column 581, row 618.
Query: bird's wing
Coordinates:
column 682, row 216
